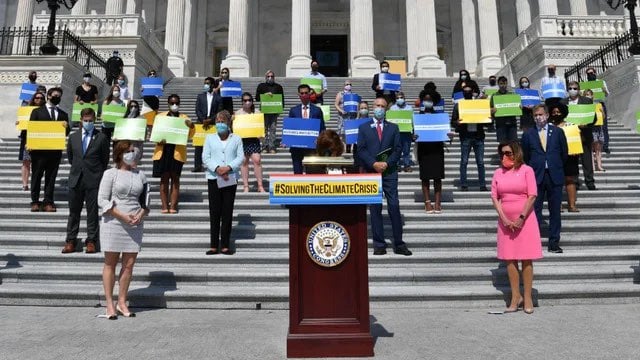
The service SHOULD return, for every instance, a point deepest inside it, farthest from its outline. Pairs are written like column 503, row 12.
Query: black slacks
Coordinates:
column 77, row 197
column 44, row 162
column 220, row 213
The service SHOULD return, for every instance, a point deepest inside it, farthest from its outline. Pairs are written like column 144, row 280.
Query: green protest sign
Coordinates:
column 597, row 86
column 112, row 113
column 638, row 122
column 130, row 129
column 271, row 104
column 402, row 118
column 315, row 84
column 171, row 129
column 507, row 105
column 581, row 114
column 326, row 112
column 77, row 108
column 489, row 92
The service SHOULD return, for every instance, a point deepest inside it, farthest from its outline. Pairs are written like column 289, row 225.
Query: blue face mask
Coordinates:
column 222, row 128
column 378, row 113
column 400, row 102
column 88, row 125
column 206, row 87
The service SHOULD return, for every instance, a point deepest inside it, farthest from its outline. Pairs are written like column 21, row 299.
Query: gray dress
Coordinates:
column 128, row 192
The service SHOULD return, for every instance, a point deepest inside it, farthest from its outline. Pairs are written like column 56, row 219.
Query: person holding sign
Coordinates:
column 557, row 115
column 208, row 104
column 586, row 133
column 379, row 152
column 591, row 76
column 492, row 88
column 342, row 108
column 465, row 79
column 406, row 137
column 315, row 74
column 264, row 93
column 526, row 120
column 23, row 155
column 545, row 150
column 389, row 95
column 112, row 99
column 222, row 156
column 304, row 110
column 598, row 133
column 251, row 147
column 553, row 88
column 88, row 154
column 506, row 125
column 168, row 160
column 227, row 102
column 24, row 94
column 471, row 137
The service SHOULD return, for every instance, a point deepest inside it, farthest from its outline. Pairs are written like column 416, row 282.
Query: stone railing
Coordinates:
column 105, row 26
column 565, row 26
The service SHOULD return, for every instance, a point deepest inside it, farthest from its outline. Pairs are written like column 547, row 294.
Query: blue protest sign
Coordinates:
column 439, row 107
column 457, row 96
column 431, row 127
column 300, row 133
column 553, row 90
column 152, row 86
column 389, row 81
column 231, row 89
column 350, row 102
column 351, row 129
column 27, row 91
column 530, row 97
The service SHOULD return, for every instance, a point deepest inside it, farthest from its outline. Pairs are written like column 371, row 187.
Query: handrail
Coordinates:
column 607, row 56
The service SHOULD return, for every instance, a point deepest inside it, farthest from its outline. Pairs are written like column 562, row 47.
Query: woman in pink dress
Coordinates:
column 513, row 191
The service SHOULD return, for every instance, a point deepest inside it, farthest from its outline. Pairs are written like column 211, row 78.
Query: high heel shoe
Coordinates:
column 528, row 311
column 518, row 306
column 108, row 316
column 120, row 312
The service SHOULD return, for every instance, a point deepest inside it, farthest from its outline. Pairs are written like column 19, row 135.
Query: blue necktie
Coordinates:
column 85, row 142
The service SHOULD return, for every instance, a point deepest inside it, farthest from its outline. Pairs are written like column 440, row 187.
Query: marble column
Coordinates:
column 363, row 60
column 523, row 11
column 24, row 16
column 299, row 63
column 114, row 7
column 578, row 7
column 490, row 61
column 428, row 63
column 187, row 46
column 237, row 60
column 131, row 7
column 548, row 7
column 174, row 35
column 412, row 35
column 80, row 8
column 469, row 31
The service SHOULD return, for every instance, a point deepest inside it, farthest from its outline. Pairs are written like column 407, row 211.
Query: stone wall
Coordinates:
column 624, row 93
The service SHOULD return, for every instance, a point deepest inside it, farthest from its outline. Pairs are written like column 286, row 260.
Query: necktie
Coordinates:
column 543, row 138
column 305, row 112
column 53, row 113
column 379, row 128
column 85, row 142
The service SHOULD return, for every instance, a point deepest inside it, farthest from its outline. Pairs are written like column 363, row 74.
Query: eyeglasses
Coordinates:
column 507, row 154
column 573, row 88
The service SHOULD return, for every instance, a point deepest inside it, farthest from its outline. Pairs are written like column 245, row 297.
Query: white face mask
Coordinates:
column 130, row 157
column 385, row 69
column 573, row 93
column 86, row 79
column 116, row 94
column 174, row 108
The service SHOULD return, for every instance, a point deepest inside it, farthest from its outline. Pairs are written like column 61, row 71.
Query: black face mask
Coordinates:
column 551, row 72
column 591, row 77
column 492, row 82
column 55, row 100
column 32, row 78
column 468, row 95
column 556, row 119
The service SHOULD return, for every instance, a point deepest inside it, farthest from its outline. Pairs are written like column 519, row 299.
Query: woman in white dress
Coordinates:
column 124, row 202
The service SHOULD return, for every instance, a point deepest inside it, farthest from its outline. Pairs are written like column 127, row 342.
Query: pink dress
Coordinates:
column 511, row 188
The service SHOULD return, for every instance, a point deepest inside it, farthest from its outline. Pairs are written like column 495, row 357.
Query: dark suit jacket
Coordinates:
column 369, row 145
column 89, row 167
column 379, row 93
column 314, row 113
column 201, row 106
column 554, row 158
column 586, row 131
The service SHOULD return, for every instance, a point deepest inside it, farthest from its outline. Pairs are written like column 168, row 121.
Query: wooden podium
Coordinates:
column 328, row 264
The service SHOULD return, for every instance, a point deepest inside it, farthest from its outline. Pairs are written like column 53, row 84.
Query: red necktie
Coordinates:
column 379, row 127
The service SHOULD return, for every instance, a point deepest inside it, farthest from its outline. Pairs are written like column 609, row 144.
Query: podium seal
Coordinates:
column 328, row 243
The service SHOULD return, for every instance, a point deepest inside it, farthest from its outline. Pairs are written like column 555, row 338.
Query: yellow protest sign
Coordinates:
column 474, row 111
column 249, row 125
column 201, row 134
column 572, row 133
column 46, row 135
column 599, row 115
column 24, row 113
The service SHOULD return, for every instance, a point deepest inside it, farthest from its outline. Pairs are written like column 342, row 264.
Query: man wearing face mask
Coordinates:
column 315, row 74
column 506, row 126
column 465, row 79
column 208, row 103
column 88, row 154
column 493, row 85
column 545, row 149
column 270, row 87
column 405, row 137
column 586, row 134
column 114, row 67
column 376, row 137
column 471, row 137
column 552, row 78
column 46, row 162
column 389, row 95
column 33, row 77
column 304, row 110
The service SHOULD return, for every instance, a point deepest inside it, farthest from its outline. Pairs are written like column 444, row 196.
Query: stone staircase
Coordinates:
column 454, row 262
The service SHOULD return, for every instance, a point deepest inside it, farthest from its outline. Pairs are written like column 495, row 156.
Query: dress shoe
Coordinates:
column 402, row 250
column 197, row 170
column 591, row 187
column 49, row 208
column 555, row 250
column 69, row 247
column 379, row 251
column 91, row 248
column 35, row 207
column 212, row 252
column 464, row 188
column 483, row 188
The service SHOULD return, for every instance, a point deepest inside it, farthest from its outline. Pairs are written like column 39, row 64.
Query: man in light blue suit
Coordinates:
column 304, row 110
column 374, row 138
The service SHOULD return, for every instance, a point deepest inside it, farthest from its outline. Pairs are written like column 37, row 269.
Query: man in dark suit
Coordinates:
column 304, row 110
column 46, row 161
column 88, row 153
column 545, row 149
column 390, row 96
column 586, row 133
column 374, row 138
column 208, row 104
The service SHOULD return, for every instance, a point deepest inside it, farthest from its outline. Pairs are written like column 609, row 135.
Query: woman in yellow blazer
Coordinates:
column 168, row 160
